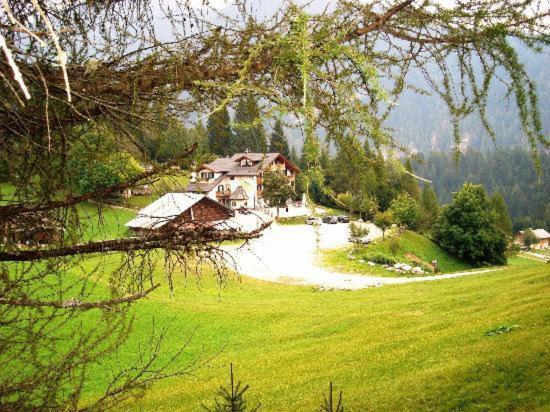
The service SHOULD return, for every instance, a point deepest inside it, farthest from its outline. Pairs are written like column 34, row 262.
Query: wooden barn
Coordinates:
column 179, row 210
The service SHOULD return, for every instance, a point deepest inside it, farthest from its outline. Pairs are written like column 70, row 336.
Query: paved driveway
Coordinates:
column 287, row 254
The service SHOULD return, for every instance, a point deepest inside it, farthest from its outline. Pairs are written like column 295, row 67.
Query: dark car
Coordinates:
column 343, row 219
column 330, row 219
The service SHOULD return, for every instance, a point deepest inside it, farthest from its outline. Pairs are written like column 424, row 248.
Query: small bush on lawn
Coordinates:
column 379, row 259
column 357, row 230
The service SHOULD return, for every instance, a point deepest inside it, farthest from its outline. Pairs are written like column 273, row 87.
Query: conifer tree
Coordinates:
column 278, row 142
column 220, row 135
column 430, row 205
column 409, row 182
column 249, row 131
column 199, row 137
column 231, row 398
column 504, row 221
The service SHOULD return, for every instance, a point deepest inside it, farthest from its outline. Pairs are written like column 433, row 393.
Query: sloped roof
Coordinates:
column 232, row 167
column 238, row 194
column 541, row 233
column 203, row 187
column 165, row 209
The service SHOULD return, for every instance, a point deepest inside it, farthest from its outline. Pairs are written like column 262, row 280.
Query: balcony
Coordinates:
column 223, row 193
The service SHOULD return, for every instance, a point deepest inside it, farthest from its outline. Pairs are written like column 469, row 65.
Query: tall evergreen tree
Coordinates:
column 430, row 205
column 278, row 142
column 220, row 135
column 249, row 130
column 504, row 221
column 199, row 136
column 408, row 182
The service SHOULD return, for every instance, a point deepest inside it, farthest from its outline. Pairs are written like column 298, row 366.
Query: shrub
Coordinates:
column 393, row 245
column 379, row 259
column 358, row 230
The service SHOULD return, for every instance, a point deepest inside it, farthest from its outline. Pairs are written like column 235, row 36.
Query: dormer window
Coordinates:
column 246, row 162
column 207, row 175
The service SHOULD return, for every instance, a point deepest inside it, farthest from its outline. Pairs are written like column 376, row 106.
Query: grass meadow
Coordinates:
column 404, row 347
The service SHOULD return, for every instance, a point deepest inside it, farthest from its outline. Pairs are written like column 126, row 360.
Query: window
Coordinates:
column 207, row 175
column 246, row 162
column 220, row 188
column 259, row 187
column 211, row 175
column 204, row 175
column 232, row 177
column 234, row 204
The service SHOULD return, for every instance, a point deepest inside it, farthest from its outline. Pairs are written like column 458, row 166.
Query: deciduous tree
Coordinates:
column 467, row 228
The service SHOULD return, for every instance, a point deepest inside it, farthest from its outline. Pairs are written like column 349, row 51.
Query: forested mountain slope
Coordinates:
column 509, row 171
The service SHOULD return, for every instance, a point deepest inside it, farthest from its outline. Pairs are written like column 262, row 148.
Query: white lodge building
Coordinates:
column 237, row 181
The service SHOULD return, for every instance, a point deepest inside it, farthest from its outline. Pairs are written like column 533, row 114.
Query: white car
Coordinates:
column 314, row 221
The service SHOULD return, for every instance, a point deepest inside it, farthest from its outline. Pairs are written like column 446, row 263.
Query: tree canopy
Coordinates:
column 467, row 228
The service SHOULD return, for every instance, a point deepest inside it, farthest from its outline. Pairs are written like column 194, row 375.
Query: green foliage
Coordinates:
column 358, row 230
column 503, row 222
column 278, row 142
column 249, row 133
column 379, row 259
column 219, row 133
column 467, row 228
column 330, row 404
column 408, row 182
column 405, row 210
column 393, row 245
column 277, row 189
column 529, row 238
column 345, row 200
column 232, row 397
column 509, row 171
column 384, row 220
column 429, row 206
column 95, row 162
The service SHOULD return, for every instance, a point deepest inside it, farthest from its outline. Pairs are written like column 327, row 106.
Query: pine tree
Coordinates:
column 278, row 142
column 408, row 182
column 220, row 135
column 231, row 398
column 430, row 205
column 249, row 130
column 504, row 221
column 199, row 136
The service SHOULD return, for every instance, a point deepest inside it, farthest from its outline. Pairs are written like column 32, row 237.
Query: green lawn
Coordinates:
column 403, row 347
column 417, row 346
column 408, row 243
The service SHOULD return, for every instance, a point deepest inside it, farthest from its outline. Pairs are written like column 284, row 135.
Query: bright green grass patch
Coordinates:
column 417, row 346
column 101, row 222
column 297, row 220
column 408, row 243
column 6, row 192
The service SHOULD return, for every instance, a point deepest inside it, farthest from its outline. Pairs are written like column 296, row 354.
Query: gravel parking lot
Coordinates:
column 287, row 254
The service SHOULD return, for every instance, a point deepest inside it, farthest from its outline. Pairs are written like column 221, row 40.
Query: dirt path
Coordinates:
column 287, row 254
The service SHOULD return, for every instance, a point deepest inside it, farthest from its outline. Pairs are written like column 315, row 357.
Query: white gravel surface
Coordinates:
column 287, row 254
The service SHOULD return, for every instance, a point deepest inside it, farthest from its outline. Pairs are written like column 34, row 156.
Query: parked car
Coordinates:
column 362, row 240
column 343, row 219
column 313, row 221
column 330, row 219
